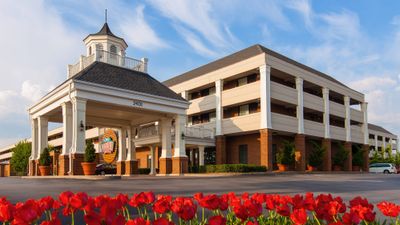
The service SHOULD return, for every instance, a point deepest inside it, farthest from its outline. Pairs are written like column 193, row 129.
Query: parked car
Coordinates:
column 103, row 168
column 382, row 168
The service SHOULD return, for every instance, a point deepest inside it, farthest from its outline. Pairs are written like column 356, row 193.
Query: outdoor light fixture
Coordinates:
column 82, row 126
column 183, row 136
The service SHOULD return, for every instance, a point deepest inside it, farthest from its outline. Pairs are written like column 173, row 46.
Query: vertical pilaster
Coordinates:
column 220, row 149
column 300, row 152
column 266, row 148
column 121, row 151
column 376, row 142
column 349, row 162
column 42, row 134
column 201, row 155
column 180, row 159
column 218, row 107
column 364, row 109
column 327, row 145
column 153, row 160
column 78, row 136
column 265, row 96
column 67, row 138
column 166, row 153
column 185, row 95
column 325, row 95
column 300, row 105
column 34, row 149
column 347, row 120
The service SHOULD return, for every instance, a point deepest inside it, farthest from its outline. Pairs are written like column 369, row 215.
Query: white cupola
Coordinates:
column 106, row 41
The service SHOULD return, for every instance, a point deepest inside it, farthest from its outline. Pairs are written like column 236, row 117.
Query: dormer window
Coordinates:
column 113, row 49
column 90, row 50
column 99, row 50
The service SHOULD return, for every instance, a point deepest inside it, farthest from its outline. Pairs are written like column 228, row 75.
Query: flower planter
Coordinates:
column 337, row 168
column 312, row 168
column 283, row 167
column 44, row 170
column 89, row 168
column 356, row 168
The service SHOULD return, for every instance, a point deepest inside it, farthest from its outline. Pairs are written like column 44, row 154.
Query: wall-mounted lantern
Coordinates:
column 82, row 126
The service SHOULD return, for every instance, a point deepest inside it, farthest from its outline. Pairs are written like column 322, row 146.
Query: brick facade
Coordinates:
column 220, row 147
column 120, row 168
column 300, row 152
column 252, row 142
column 131, row 167
column 327, row 162
column 63, row 165
column 180, row 165
column 165, row 166
column 365, row 149
column 266, row 155
column 77, row 159
column 348, row 164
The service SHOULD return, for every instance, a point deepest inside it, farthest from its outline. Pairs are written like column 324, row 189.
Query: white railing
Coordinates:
column 110, row 58
column 155, row 130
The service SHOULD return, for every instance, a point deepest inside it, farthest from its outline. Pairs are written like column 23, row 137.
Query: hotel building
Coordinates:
column 238, row 109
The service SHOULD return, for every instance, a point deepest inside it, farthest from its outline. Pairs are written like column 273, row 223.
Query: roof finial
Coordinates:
column 105, row 15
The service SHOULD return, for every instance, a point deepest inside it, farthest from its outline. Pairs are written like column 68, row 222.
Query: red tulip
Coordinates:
column 65, row 197
column 388, row 209
column 283, row 210
column 299, row 216
column 92, row 218
column 162, row 221
column 79, row 200
column 184, row 208
column 138, row 221
column 210, row 202
column 162, row 205
column 6, row 210
column 217, row 220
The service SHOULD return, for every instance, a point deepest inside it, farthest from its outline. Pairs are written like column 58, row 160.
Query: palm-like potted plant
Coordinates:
column 88, row 164
column 339, row 158
column 285, row 156
column 44, row 162
column 316, row 156
column 357, row 160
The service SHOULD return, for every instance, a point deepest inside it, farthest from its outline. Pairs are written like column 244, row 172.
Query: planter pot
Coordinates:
column 312, row 168
column 283, row 167
column 356, row 168
column 337, row 168
column 89, row 168
column 44, row 170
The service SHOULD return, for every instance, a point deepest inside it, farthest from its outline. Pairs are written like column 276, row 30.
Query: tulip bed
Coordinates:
column 146, row 209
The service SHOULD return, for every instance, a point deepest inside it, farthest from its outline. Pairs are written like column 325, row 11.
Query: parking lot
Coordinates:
column 375, row 187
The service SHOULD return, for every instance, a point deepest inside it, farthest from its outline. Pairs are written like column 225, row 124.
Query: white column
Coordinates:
column 153, row 160
column 42, row 134
column 122, row 144
column 218, row 107
column 391, row 144
column 67, row 127
column 325, row 95
column 78, row 125
column 300, row 105
column 384, row 142
column 265, row 96
column 376, row 142
column 34, row 132
column 180, row 145
column 347, row 123
column 201, row 155
column 131, row 154
column 166, row 138
column 364, row 109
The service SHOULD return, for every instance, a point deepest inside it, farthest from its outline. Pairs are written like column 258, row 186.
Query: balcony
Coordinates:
column 313, row 102
column 337, row 109
column 357, row 135
column 202, row 104
column 152, row 134
column 356, row 115
column 240, row 94
column 338, row 133
column 110, row 58
column 243, row 123
column 284, row 123
column 313, row 128
column 283, row 93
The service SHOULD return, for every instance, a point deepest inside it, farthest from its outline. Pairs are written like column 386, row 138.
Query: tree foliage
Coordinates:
column 90, row 152
column 20, row 157
column 285, row 154
column 316, row 155
column 45, row 159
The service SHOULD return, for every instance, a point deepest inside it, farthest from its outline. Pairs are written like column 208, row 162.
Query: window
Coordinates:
column 212, row 116
column 99, row 50
column 243, row 154
column 90, row 50
column 243, row 110
column 113, row 51
column 242, row 81
column 148, row 161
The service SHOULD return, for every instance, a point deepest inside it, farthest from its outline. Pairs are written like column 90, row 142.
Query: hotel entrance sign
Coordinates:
column 109, row 145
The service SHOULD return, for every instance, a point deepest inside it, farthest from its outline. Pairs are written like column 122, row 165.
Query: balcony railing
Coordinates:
column 155, row 130
column 110, row 58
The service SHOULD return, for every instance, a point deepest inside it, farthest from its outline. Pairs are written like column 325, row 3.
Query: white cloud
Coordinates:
column 304, row 8
column 139, row 33
column 195, row 42
column 195, row 15
column 373, row 83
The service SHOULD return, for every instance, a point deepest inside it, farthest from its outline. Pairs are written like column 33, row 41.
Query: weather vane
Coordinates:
column 105, row 15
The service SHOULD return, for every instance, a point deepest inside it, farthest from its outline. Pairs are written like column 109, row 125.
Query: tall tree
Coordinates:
column 20, row 157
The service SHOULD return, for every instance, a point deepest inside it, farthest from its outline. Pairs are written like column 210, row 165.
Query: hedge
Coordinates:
column 228, row 168
column 144, row 171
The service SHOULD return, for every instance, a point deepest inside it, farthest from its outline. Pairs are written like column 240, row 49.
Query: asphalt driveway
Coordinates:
column 375, row 187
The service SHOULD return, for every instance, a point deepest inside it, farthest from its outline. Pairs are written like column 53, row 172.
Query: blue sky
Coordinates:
column 357, row 42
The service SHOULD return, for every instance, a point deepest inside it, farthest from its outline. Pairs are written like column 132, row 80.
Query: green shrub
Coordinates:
column 144, row 171
column 20, row 157
column 45, row 159
column 229, row 168
column 285, row 154
column 316, row 155
column 358, row 159
column 90, row 153
column 341, row 156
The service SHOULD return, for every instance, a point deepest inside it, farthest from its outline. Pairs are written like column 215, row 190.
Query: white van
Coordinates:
column 382, row 168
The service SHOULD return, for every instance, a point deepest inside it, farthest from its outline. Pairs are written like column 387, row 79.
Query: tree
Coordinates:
column 90, row 152
column 45, row 159
column 316, row 155
column 285, row 155
column 20, row 157
column 358, row 159
column 341, row 156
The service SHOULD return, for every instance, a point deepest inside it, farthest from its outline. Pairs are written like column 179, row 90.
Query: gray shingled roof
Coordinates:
column 378, row 128
column 237, row 57
column 118, row 77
